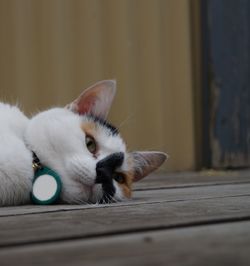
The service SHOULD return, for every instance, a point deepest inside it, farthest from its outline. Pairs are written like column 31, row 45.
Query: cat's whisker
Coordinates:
column 125, row 121
column 99, row 196
column 81, row 201
column 115, row 200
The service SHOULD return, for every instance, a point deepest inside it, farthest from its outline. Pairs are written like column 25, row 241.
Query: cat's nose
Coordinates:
column 106, row 167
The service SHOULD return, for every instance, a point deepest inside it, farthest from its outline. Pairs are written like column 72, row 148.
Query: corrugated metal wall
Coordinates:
column 51, row 49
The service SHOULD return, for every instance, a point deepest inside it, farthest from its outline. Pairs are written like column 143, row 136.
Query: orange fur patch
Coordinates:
column 89, row 128
column 127, row 185
column 129, row 177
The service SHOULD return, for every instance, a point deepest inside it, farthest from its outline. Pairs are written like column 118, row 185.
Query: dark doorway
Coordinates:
column 226, row 83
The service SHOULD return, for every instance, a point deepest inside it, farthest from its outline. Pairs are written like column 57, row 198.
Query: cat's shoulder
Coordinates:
column 12, row 119
column 6, row 108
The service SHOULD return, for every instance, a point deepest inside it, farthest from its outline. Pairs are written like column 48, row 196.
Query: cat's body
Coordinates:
column 16, row 170
column 76, row 142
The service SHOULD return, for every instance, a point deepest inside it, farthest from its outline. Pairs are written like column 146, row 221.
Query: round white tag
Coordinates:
column 44, row 187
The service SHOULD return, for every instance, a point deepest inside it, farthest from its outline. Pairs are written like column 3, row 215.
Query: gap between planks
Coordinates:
column 81, row 224
column 209, row 177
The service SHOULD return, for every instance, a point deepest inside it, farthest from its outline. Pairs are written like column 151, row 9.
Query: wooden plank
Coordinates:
column 209, row 177
column 155, row 181
column 142, row 197
column 223, row 244
column 63, row 225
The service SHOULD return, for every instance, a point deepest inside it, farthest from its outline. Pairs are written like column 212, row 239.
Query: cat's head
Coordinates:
column 87, row 151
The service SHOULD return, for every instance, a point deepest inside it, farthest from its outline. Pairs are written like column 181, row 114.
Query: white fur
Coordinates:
column 56, row 136
column 59, row 142
column 16, row 171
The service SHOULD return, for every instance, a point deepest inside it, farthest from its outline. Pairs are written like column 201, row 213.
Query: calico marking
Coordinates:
column 113, row 130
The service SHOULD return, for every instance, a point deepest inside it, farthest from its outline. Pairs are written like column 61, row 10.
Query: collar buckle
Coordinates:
column 36, row 164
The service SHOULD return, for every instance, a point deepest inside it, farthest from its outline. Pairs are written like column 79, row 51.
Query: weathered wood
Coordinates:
column 190, row 219
column 223, row 244
column 142, row 197
column 35, row 228
column 155, row 181
column 167, row 223
column 209, row 177
column 228, row 34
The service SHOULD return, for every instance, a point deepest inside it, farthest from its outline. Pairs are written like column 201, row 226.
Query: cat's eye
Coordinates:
column 91, row 144
column 120, row 178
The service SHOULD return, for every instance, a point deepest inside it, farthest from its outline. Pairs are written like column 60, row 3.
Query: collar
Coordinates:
column 36, row 164
column 47, row 184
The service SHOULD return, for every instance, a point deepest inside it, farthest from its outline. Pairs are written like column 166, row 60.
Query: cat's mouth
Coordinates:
column 91, row 193
column 97, row 193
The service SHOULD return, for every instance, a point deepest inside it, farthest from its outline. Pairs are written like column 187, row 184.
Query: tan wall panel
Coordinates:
column 177, row 83
column 51, row 49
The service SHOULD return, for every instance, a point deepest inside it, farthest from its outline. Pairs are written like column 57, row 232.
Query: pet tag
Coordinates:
column 47, row 187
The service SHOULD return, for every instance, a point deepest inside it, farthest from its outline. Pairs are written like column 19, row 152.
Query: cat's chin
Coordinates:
column 82, row 194
column 94, row 195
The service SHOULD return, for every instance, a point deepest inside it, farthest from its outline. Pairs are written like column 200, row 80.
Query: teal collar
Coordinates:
column 47, row 184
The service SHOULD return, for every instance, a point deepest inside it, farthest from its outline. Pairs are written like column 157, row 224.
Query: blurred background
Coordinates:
column 181, row 68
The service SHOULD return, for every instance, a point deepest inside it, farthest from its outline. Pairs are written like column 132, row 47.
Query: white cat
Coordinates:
column 78, row 143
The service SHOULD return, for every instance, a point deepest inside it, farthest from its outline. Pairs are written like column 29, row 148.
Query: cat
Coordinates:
column 78, row 143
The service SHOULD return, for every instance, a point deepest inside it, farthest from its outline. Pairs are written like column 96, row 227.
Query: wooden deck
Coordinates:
column 173, row 219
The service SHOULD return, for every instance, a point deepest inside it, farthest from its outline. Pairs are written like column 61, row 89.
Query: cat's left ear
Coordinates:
column 145, row 162
column 95, row 100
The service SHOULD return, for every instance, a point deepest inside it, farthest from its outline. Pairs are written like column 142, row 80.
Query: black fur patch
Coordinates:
column 113, row 130
column 105, row 170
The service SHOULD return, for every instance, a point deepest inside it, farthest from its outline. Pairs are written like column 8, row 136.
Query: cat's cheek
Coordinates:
column 74, row 192
column 81, row 169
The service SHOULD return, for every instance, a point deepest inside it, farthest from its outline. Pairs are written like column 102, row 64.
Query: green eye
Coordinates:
column 120, row 178
column 91, row 144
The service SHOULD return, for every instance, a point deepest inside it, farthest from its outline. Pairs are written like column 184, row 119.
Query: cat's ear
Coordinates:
column 146, row 162
column 95, row 100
